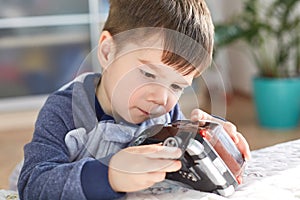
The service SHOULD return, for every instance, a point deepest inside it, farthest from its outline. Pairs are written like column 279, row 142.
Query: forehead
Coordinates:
column 152, row 48
column 181, row 50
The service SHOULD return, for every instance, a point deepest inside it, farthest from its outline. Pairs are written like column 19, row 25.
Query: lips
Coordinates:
column 154, row 111
column 144, row 112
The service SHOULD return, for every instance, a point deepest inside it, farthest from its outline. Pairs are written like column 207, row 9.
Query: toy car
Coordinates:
column 210, row 162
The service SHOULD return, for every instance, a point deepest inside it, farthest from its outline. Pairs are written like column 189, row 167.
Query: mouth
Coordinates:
column 152, row 113
column 144, row 112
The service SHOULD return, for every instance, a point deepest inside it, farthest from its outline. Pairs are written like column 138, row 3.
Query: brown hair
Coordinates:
column 190, row 18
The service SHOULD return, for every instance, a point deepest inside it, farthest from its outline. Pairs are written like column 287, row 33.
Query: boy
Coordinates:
column 79, row 148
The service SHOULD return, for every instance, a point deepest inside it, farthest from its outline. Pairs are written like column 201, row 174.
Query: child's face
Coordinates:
column 139, row 86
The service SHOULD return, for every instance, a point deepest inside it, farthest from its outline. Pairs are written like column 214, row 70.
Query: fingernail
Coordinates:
column 175, row 150
column 171, row 149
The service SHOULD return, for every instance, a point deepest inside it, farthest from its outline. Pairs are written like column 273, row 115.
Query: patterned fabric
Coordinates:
column 271, row 174
column 106, row 138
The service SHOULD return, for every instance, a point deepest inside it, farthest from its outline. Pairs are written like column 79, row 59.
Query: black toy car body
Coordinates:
column 210, row 162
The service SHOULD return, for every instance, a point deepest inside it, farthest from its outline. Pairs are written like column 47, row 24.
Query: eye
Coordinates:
column 147, row 74
column 176, row 87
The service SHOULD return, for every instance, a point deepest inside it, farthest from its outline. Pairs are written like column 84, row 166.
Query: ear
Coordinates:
column 105, row 49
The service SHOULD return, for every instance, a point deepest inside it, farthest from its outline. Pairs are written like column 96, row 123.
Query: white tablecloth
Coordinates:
column 273, row 173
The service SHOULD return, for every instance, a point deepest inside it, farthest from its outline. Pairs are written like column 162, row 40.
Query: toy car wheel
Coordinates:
column 140, row 140
column 171, row 142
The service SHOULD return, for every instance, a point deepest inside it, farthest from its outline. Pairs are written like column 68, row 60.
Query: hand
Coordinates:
column 137, row 168
column 230, row 128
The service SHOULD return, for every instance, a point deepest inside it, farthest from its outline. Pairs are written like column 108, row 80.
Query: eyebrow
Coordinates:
column 152, row 66
column 158, row 70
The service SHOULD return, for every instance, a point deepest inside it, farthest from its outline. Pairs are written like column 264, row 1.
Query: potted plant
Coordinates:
column 272, row 31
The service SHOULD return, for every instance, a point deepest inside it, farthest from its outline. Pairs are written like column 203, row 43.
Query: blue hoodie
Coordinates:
column 73, row 142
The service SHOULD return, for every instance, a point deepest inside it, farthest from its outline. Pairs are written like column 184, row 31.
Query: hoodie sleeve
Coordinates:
column 48, row 172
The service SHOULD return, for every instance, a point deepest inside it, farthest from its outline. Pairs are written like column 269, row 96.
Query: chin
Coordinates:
column 138, row 121
column 134, row 120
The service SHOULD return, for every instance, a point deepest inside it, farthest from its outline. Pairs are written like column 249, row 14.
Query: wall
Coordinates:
column 234, row 62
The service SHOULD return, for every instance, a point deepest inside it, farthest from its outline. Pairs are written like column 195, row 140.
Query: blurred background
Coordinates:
column 43, row 43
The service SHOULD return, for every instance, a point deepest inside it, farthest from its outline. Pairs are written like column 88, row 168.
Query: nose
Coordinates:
column 158, row 94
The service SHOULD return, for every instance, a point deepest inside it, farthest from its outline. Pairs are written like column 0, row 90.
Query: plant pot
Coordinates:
column 277, row 102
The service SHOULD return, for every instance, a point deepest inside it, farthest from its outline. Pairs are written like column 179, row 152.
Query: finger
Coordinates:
column 170, row 166
column 161, row 165
column 156, row 177
column 156, row 151
column 147, row 158
column 144, row 149
column 243, row 146
column 164, row 152
column 146, row 180
column 198, row 114
column 239, row 179
column 232, row 131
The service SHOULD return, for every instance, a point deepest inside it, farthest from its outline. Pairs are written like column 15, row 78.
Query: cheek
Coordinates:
column 137, row 96
column 142, row 95
column 126, row 90
column 173, row 99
